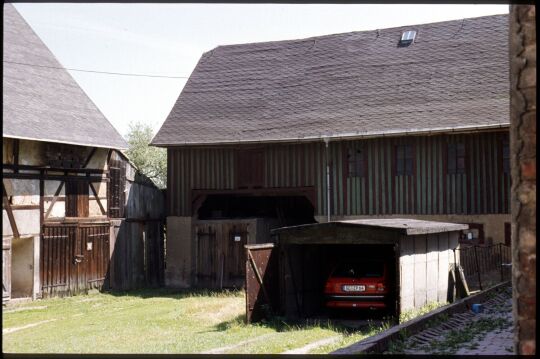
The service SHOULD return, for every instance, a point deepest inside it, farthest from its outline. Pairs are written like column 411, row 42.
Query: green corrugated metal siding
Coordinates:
column 484, row 188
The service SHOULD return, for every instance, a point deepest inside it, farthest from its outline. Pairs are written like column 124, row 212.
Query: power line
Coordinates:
column 96, row 72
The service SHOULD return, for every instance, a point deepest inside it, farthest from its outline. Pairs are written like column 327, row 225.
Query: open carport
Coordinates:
column 287, row 277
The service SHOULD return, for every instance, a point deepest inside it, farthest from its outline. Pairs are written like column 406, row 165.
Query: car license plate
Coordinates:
column 354, row 288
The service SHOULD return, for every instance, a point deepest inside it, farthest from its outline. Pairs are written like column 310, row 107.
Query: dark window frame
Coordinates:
column 356, row 164
column 456, row 158
column 404, row 160
column 505, row 156
column 250, row 168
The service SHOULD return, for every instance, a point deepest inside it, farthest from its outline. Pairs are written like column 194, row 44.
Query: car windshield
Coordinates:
column 359, row 270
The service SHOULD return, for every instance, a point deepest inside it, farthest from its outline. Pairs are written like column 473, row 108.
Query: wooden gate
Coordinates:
column 206, row 257
column 74, row 258
column 220, row 254
column 262, row 281
column 6, row 269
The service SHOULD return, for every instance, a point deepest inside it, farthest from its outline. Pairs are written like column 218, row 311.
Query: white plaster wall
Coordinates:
column 99, row 159
column 27, row 221
column 24, row 192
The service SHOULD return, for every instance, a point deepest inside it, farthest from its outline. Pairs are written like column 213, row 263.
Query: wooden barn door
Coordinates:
column 94, row 249
column 74, row 258
column 234, row 261
column 56, row 259
column 206, row 257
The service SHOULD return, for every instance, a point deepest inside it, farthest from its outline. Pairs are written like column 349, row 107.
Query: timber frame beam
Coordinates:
column 11, row 217
column 43, row 176
column 17, row 167
column 103, row 211
column 55, row 198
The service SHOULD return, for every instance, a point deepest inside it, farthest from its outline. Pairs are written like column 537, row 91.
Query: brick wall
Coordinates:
column 523, row 162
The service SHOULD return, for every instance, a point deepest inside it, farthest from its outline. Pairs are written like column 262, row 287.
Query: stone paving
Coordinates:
column 489, row 332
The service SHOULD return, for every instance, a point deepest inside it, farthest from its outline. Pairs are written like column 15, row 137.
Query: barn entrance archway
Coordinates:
column 225, row 223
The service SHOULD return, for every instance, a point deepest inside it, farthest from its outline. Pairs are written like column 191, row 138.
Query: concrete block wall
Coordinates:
column 523, row 166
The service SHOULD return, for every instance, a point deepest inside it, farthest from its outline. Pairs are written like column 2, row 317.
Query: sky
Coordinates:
column 168, row 40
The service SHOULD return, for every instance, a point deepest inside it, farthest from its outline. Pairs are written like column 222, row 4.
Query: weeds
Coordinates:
column 455, row 338
column 413, row 313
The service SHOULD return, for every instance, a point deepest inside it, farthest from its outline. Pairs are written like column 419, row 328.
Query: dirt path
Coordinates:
column 222, row 350
column 307, row 348
column 16, row 329
column 23, row 309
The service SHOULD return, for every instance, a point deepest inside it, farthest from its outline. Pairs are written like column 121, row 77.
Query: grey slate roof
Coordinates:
column 455, row 76
column 46, row 104
column 403, row 225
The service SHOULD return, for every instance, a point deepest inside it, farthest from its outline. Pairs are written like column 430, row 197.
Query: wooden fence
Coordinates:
column 137, row 258
column 485, row 266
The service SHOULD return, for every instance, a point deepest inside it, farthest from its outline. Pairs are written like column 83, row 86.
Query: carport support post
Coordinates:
column 326, row 142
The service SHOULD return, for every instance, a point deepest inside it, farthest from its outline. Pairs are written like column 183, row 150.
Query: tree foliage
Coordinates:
column 151, row 161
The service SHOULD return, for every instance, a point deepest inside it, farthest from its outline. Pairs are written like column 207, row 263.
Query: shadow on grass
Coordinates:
column 147, row 293
column 280, row 324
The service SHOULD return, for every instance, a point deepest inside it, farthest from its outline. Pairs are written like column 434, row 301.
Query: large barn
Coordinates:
column 76, row 213
column 408, row 122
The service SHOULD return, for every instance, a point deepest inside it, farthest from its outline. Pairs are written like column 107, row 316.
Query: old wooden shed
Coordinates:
column 295, row 267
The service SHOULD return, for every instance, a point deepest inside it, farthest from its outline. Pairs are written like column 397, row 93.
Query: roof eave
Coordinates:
column 115, row 147
column 346, row 136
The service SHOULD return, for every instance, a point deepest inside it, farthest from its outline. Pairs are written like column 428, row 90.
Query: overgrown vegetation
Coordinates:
column 151, row 161
column 413, row 313
column 160, row 321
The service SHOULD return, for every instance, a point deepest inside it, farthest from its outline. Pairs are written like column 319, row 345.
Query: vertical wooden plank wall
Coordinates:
column 430, row 190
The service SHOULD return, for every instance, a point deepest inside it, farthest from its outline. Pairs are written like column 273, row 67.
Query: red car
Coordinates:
column 362, row 284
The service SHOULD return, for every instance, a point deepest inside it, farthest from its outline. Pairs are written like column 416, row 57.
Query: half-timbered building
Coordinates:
column 76, row 213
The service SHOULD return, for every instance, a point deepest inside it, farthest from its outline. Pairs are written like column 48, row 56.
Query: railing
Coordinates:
column 484, row 266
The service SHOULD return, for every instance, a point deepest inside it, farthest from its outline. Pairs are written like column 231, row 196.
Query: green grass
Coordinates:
column 413, row 313
column 157, row 321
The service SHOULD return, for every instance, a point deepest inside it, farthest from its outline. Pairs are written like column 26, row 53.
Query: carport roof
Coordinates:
column 405, row 226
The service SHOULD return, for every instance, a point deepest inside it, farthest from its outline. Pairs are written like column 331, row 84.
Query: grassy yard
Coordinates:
column 158, row 321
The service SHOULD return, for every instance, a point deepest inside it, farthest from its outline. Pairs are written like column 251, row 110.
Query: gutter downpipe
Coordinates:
column 326, row 140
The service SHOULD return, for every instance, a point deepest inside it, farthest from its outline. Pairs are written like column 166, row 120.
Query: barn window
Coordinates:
column 355, row 161
column 506, row 157
column 404, row 160
column 250, row 168
column 456, row 158
column 77, row 198
column 115, row 189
